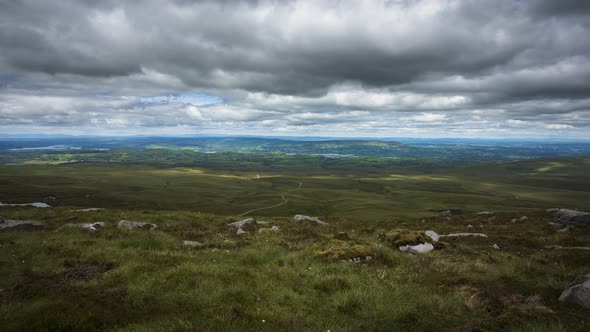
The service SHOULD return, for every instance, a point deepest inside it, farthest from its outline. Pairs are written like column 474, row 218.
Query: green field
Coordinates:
column 388, row 191
column 121, row 280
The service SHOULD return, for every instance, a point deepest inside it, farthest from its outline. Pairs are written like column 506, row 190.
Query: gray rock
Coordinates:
column 495, row 246
column 136, row 225
column 433, row 235
column 240, row 231
column 515, row 220
column 417, row 249
column 464, row 234
column 557, row 225
column 578, row 291
column 271, row 229
column 89, row 227
column 446, row 213
column 301, row 217
column 485, row 213
column 568, row 216
column 241, row 223
column 20, row 225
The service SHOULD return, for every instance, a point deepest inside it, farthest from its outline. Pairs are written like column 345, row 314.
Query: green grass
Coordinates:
column 146, row 280
column 339, row 194
column 117, row 280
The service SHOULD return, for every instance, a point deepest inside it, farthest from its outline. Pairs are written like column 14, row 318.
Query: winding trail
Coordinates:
column 285, row 201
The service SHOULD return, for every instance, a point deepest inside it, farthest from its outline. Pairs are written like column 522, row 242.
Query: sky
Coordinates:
column 397, row 68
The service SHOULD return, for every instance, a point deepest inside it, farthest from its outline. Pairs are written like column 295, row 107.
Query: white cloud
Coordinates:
column 426, row 117
column 558, row 126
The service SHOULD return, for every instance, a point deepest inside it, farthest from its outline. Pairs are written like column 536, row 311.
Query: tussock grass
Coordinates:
column 147, row 280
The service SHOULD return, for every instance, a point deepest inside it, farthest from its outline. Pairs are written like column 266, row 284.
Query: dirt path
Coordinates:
column 285, row 201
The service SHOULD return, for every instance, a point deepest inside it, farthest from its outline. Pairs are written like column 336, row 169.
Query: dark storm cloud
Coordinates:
column 281, row 47
column 296, row 63
column 561, row 7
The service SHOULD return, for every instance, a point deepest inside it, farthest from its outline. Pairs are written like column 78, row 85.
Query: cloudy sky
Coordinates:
column 432, row 68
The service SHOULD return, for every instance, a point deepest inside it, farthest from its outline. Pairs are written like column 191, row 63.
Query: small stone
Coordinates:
column 446, row 213
column 194, row 244
column 515, row 220
column 495, row 246
column 271, row 229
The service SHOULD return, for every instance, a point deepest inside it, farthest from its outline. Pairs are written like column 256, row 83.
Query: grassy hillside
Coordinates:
column 292, row 279
column 117, row 280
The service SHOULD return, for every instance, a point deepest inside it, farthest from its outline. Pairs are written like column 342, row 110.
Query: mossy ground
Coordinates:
column 336, row 250
column 401, row 237
column 119, row 280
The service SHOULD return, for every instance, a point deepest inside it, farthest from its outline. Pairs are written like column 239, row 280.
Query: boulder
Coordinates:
column 241, row 223
column 240, row 231
column 21, row 225
column 417, row 249
column 567, row 216
column 433, row 235
column 301, row 217
column 136, row 225
column 578, row 291
column 89, row 227
column 415, row 242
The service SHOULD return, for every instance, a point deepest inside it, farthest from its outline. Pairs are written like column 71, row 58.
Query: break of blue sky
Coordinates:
column 416, row 68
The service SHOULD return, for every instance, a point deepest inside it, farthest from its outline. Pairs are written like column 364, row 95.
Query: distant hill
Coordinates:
column 454, row 151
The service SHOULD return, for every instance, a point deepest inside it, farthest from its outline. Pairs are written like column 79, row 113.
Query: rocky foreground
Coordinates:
column 480, row 271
